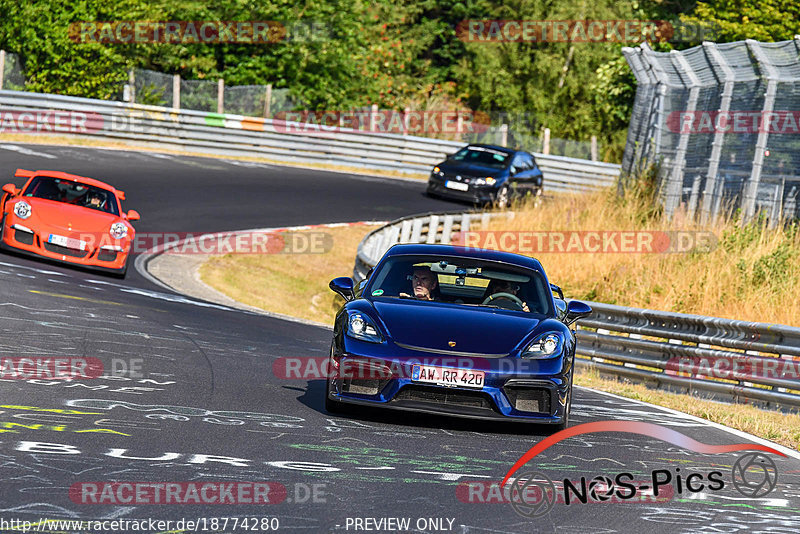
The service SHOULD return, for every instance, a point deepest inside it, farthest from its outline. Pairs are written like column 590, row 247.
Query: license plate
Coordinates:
column 447, row 376
column 68, row 242
column 456, row 185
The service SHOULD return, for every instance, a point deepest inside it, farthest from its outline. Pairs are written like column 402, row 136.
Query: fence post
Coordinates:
column 546, row 142
column 220, row 96
column 594, row 148
column 373, row 118
column 504, row 134
column 751, row 192
column 2, row 67
column 176, row 91
column 675, row 182
column 132, row 85
column 268, row 101
column 706, row 209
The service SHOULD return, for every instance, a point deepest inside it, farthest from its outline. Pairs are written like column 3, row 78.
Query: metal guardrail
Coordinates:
column 430, row 228
column 722, row 358
column 236, row 135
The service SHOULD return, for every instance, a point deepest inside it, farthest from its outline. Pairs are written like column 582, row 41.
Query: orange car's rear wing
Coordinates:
column 22, row 173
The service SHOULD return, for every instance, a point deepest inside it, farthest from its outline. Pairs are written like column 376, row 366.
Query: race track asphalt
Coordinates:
column 204, row 404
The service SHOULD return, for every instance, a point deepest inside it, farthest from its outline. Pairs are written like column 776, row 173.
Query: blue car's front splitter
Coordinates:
column 512, row 390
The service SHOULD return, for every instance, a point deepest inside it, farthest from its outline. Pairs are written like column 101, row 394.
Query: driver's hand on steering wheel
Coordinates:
column 525, row 307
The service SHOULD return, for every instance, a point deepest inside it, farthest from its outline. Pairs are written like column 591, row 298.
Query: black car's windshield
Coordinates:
column 71, row 192
column 487, row 157
column 464, row 281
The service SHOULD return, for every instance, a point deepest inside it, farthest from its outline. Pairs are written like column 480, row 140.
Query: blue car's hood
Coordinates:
column 468, row 169
column 432, row 325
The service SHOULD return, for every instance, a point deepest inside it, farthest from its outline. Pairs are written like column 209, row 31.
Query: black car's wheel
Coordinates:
column 501, row 198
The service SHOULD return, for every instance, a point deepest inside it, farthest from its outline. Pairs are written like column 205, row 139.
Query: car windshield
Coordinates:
column 464, row 281
column 71, row 192
column 488, row 157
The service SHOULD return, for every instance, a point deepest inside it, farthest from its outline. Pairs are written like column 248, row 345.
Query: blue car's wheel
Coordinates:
column 332, row 406
column 568, row 407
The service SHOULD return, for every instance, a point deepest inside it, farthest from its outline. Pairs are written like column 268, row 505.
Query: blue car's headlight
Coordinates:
column 361, row 327
column 545, row 346
column 489, row 180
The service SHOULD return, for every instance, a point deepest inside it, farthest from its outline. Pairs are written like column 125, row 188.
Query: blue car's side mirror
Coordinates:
column 576, row 310
column 344, row 286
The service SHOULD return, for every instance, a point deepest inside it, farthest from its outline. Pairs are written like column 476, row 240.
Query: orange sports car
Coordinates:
column 68, row 218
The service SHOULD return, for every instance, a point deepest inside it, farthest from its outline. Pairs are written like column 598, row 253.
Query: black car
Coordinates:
column 486, row 174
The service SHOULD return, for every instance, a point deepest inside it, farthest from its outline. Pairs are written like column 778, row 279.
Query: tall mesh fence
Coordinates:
column 13, row 75
column 152, row 88
column 723, row 123
column 200, row 95
column 248, row 100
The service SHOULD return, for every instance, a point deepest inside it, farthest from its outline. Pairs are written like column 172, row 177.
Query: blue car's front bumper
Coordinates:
column 534, row 391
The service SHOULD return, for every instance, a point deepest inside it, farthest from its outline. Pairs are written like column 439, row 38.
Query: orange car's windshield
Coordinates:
column 71, row 192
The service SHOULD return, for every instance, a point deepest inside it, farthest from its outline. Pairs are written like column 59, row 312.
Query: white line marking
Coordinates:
column 27, row 151
column 43, row 271
column 739, row 433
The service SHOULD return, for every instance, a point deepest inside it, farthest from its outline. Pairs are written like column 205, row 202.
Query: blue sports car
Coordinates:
column 445, row 329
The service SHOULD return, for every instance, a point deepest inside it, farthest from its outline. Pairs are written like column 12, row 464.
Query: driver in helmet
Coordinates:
column 94, row 200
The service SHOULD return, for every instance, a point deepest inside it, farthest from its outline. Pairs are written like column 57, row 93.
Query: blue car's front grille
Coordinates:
column 436, row 395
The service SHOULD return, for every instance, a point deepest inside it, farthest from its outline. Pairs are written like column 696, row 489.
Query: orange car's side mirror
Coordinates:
column 133, row 215
column 11, row 189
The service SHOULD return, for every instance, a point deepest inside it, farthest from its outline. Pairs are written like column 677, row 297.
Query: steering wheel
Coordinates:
column 507, row 296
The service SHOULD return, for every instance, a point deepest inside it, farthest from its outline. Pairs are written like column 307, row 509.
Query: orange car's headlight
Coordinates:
column 118, row 230
column 22, row 209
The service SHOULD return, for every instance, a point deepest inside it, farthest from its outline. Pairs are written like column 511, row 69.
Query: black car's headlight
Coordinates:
column 361, row 327
column 437, row 172
column 489, row 180
column 545, row 346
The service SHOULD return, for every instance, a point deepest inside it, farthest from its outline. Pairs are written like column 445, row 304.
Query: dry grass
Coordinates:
column 292, row 284
column 772, row 425
column 752, row 273
column 121, row 145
